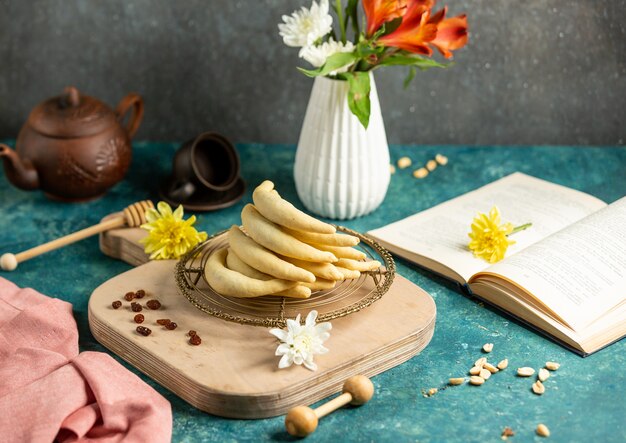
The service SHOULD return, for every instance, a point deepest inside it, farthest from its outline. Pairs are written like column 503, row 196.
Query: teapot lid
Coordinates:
column 71, row 115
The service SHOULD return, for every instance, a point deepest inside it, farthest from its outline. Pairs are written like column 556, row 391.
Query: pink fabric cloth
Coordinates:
column 49, row 391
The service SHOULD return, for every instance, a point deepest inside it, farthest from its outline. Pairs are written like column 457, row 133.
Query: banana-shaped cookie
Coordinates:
column 320, row 284
column 362, row 266
column 267, row 234
column 263, row 259
column 234, row 284
column 234, row 263
column 348, row 273
column 342, row 252
column 274, row 208
column 323, row 270
column 323, row 239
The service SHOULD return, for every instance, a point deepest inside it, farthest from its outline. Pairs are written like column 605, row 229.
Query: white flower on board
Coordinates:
column 317, row 55
column 300, row 343
column 306, row 26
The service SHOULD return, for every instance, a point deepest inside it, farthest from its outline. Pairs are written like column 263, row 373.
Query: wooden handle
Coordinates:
column 7, row 262
column 133, row 216
column 302, row 420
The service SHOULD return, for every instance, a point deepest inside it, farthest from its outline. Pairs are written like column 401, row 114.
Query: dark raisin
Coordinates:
column 171, row 326
column 140, row 294
column 191, row 333
column 163, row 321
column 139, row 318
column 129, row 296
column 195, row 340
column 144, row 331
column 136, row 307
column 153, row 304
column 116, row 304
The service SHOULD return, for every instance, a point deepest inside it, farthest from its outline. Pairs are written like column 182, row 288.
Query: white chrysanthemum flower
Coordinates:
column 317, row 55
column 306, row 26
column 300, row 343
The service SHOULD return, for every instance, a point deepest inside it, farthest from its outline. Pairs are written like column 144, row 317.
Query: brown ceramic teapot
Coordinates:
column 73, row 147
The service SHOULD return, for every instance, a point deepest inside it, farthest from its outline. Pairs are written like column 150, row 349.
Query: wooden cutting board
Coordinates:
column 234, row 372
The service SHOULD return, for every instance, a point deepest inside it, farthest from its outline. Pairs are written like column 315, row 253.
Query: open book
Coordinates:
column 565, row 276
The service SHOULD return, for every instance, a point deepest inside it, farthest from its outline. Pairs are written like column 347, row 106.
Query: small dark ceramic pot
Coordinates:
column 207, row 163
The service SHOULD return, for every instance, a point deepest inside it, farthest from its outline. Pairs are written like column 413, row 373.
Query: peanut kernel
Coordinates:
column 553, row 366
column 404, row 162
column 420, row 173
column 476, row 380
column 542, row 430
column 441, row 159
column 525, row 371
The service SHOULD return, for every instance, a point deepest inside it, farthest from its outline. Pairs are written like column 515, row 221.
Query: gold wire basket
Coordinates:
column 347, row 297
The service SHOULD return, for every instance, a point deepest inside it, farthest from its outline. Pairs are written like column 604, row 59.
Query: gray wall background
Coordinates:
column 534, row 72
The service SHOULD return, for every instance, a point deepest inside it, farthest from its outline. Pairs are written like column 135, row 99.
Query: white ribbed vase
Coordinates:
column 341, row 169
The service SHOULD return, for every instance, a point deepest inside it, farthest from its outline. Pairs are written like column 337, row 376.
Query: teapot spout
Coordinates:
column 21, row 173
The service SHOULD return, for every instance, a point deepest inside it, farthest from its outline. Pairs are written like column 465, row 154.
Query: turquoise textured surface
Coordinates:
column 584, row 399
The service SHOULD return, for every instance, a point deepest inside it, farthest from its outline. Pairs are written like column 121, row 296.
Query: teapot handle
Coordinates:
column 135, row 102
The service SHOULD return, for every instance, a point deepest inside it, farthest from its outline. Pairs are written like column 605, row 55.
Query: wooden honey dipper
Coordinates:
column 133, row 216
column 302, row 420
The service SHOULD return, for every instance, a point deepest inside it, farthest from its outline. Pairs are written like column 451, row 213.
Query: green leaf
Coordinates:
column 391, row 26
column 342, row 23
column 359, row 96
column 411, row 60
column 334, row 62
column 364, row 49
column 352, row 15
column 410, row 76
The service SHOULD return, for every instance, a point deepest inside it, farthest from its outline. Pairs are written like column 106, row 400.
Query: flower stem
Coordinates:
column 342, row 25
column 521, row 228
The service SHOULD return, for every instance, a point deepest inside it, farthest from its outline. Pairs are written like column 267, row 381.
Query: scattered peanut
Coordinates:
column 404, row 162
column 484, row 374
column 491, row 368
column 543, row 375
column 476, row 380
column 420, row 173
column 552, row 365
column 392, row 169
column 441, row 159
column 475, row 370
column 480, row 362
column 456, row 381
column 488, row 347
column 542, row 430
column 525, row 371
column 538, row 388
column 503, row 364
column 431, row 165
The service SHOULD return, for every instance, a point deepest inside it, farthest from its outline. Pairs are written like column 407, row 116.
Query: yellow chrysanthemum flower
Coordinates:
column 169, row 236
column 489, row 236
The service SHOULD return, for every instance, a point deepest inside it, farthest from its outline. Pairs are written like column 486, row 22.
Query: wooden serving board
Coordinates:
column 234, row 372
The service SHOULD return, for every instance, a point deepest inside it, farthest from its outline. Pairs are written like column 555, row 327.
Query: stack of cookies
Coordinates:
column 284, row 252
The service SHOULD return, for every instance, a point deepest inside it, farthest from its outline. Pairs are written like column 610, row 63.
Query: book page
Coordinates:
column 579, row 272
column 440, row 233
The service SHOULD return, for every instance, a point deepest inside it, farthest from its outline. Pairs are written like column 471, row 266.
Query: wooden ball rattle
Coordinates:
column 133, row 216
column 302, row 420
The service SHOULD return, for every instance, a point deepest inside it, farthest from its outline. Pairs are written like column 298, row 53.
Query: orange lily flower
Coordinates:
column 415, row 31
column 451, row 32
column 378, row 12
